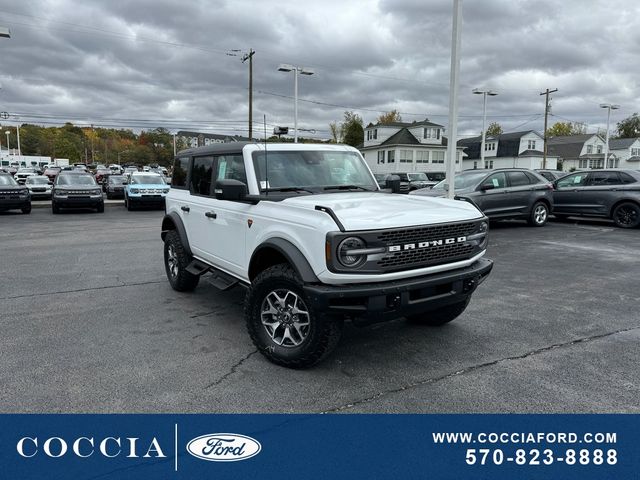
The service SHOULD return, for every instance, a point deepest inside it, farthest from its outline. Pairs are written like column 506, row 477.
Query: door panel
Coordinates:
column 568, row 195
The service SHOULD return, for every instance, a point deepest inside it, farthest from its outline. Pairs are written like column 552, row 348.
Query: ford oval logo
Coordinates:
column 224, row 447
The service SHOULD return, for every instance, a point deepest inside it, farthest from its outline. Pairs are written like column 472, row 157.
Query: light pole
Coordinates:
column 484, row 94
column 174, row 144
column 7, row 133
column 303, row 71
column 609, row 107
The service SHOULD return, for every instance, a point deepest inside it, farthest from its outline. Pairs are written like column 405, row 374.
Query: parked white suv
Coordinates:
column 307, row 230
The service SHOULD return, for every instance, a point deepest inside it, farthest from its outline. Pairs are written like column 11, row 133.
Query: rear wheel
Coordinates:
column 438, row 317
column 176, row 260
column 627, row 215
column 282, row 323
column 539, row 214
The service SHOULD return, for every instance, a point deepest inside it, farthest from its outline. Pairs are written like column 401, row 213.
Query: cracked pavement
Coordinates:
column 89, row 324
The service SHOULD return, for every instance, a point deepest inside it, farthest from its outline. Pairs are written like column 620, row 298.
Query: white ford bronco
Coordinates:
column 307, row 230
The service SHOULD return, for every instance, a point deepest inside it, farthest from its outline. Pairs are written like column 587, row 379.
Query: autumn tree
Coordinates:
column 629, row 127
column 494, row 129
column 389, row 117
column 563, row 129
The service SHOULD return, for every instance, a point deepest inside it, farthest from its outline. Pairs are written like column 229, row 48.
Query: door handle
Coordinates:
column 184, row 208
column 211, row 215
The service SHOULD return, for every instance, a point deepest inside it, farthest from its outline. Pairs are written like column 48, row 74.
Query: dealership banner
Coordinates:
column 163, row 446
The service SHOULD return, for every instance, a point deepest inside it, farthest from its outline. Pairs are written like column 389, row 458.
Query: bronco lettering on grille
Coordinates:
column 428, row 244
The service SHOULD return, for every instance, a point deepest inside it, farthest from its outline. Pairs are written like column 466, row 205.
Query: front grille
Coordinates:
column 151, row 190
column 38, row 189
column 430, row 255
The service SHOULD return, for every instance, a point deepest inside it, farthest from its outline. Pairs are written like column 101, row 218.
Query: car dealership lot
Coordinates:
column 90, row 324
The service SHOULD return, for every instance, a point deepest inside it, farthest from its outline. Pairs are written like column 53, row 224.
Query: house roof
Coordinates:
column 422, row 123
column 402, row 137
column 568, row 146
column 621, row 143
column 508, row 144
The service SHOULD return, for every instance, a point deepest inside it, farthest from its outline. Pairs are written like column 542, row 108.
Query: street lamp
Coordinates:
column 484, row 94
column 284, row 67
column 609, row 107
column 7, row 133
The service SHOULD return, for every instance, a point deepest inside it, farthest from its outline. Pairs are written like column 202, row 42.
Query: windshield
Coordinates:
column 420, row 177
column 37, row 180
column 75, row 180
column 26, row 170
column 311, row 169
column 146, row 180
column 7, row 180
column 116, row 180
column 463, row 180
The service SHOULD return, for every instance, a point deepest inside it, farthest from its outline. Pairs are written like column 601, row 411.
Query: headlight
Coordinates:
column 96, row 192
column 483, row 227
column 166, row 190
column 134, row 190
column 348, row 254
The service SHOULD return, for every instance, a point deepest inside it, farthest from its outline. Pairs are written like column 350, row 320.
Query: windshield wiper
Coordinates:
column 286, row 189
column 347, row 187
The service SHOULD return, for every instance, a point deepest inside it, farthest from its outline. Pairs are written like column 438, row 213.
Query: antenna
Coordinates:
column 266, row 165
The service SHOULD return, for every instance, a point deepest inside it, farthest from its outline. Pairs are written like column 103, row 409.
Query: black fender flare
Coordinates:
column 174, row 219
column 293, row 255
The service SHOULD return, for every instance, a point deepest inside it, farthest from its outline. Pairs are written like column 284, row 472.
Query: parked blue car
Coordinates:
column 145, row 189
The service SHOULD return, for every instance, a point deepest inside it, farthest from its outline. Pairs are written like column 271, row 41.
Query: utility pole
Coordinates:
column 245, row 57
column 452, row 150
column 546, row 114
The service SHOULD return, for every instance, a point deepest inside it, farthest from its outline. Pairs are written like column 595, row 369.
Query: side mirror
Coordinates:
column 487, row 186
column 233, row 190
column 393, row 182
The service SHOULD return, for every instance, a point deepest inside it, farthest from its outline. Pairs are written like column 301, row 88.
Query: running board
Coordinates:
column 221, row 280
column 196, row 267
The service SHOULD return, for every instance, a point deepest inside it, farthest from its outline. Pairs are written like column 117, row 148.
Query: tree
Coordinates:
column 352, row 129
column 494, row 129
column 629, row 127
column 336, row 132
column 563, row 129
column 389, row 117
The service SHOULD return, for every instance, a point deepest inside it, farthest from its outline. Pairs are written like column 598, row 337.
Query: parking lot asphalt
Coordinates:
column 90, row 324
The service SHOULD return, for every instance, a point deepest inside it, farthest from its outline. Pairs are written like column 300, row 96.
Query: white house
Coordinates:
column 578, row 152
column 406, row 147
column 507, row 150
column 626, row 152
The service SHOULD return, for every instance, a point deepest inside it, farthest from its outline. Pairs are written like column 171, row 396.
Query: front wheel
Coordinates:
column 26, row 210
column 282, row 323
column 627, row 215
column 55, row 209
column 176, row 260
column 100, row 208
column 436, row 318
column 539, row 214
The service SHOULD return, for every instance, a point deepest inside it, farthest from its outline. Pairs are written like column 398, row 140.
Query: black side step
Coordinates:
column 221, row 280
column 196, row 267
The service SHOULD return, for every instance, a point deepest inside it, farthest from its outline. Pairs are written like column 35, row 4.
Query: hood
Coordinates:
column 429, row 192
column 371, row 211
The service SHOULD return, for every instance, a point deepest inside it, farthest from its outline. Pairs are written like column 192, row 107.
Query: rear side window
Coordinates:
column 518, row 179
column 180, row 169
column 548, row 175
column 626, row 178
column 604, row 178
column 231, row 167
column 201, row 175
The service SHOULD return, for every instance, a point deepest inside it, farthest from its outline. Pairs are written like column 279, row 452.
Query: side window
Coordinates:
column 201, row 174
column 498, row 180
column 604, row 178
column 179, row 176
column 231, row 167
column 626, row 178
column 576, row 180
column 518, row 179
column 548, row 175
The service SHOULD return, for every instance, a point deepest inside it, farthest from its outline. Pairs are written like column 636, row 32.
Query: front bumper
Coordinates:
column 78, row 202
column 14, row 204
column 378, row 302
column 146, row 200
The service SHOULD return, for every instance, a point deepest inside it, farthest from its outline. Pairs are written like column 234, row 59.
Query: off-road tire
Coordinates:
column 178, row 277
column 100, row 208
column 26, row 210
column 539, row 214
column 626, row 215
column 441, row 316
column 323, row 333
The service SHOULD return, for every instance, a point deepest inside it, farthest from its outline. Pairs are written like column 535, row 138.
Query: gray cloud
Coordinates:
column 166, row 60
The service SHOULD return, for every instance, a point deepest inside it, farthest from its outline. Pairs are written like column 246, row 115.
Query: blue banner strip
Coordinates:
column 122, row 446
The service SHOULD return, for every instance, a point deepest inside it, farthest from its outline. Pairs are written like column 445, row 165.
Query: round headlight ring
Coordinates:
column 351, row 261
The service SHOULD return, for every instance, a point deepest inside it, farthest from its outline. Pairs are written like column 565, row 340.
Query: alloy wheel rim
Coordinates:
column 172, row 261
column 626, row 216
column 540, row 214
column 285, row 317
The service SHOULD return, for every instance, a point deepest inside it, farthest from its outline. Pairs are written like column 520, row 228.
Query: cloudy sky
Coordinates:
column 147, row 63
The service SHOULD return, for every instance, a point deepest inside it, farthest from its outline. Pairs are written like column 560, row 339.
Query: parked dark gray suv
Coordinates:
column 502, row 193
column 613, row 194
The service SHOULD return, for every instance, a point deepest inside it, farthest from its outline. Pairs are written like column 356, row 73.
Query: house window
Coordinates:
column 596, row 162
column 635, row 152
column 488, row 164
column 475, row 165
column 368, row 134
column 375, row 133
column 599, row 150
column 427, row 133
column 437, row 133
column 531, row 145
column 391, row 156
column 437, row 156
column 406, row 156
column 422, row 156
column 381, row 156
column 458, row 156
column 489, row 146
column 584, row 163
column 431, row 133
column 589, row 149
